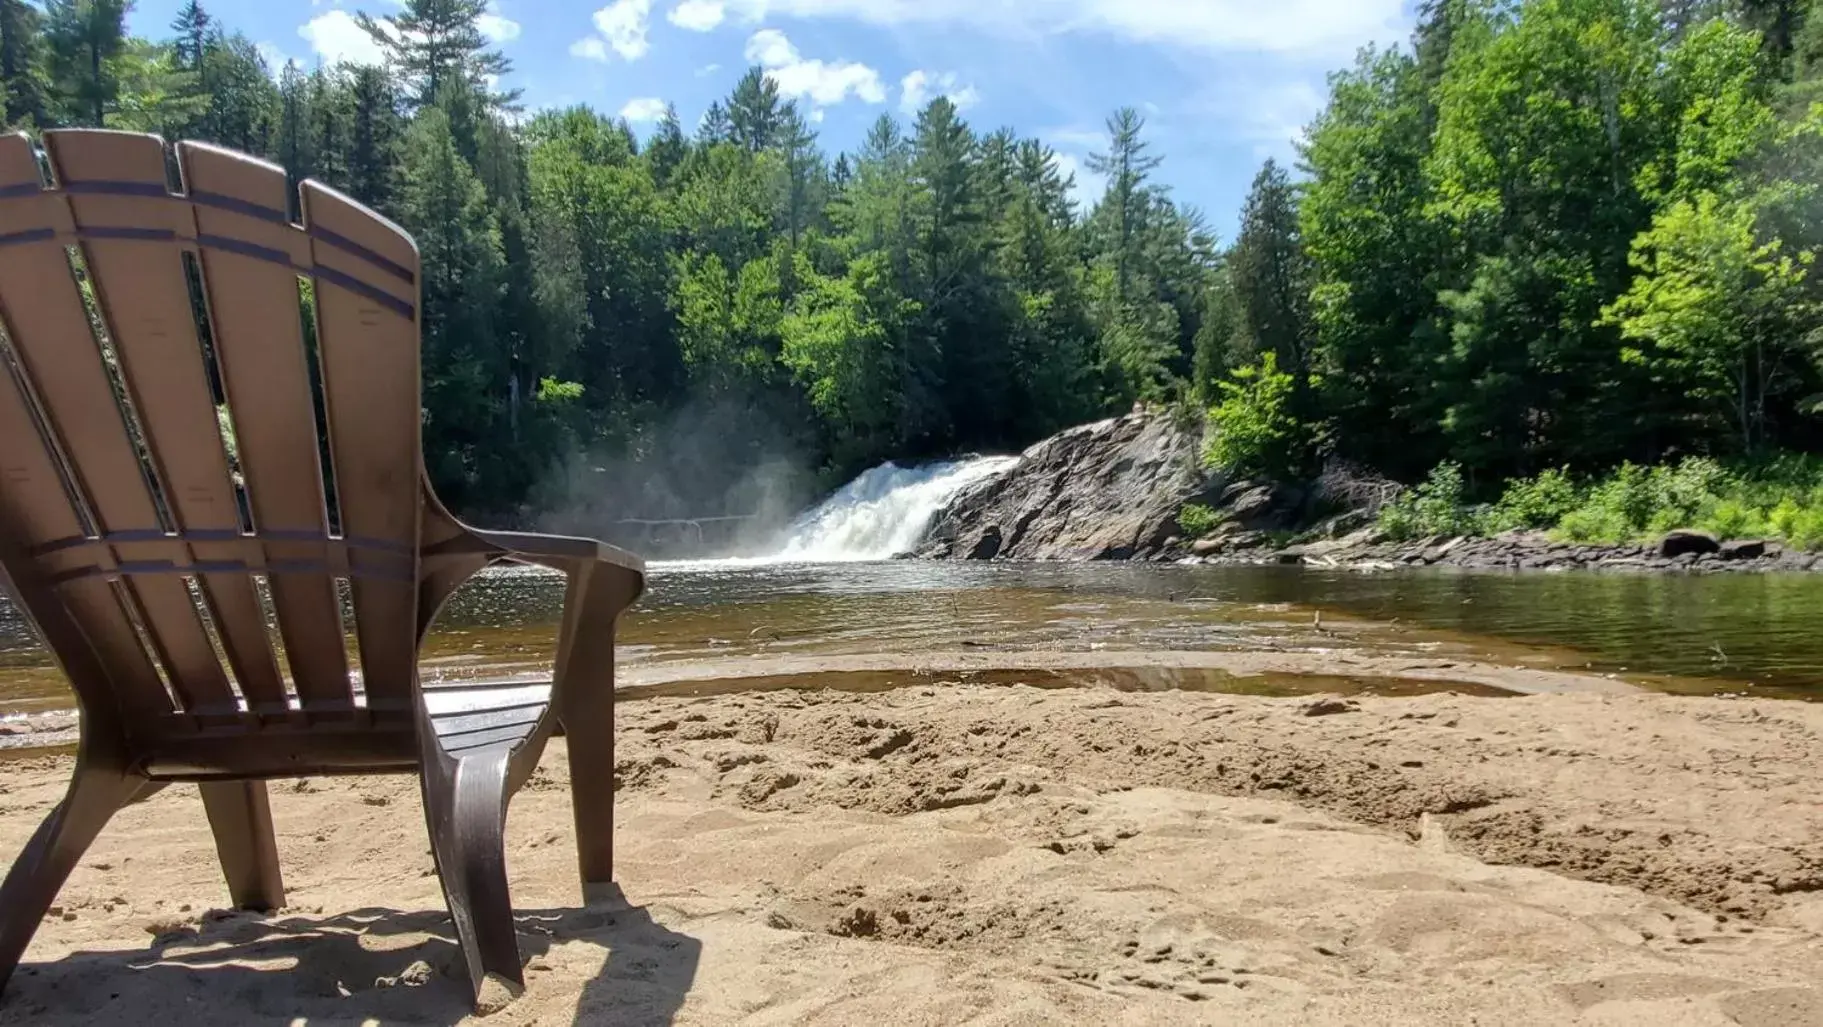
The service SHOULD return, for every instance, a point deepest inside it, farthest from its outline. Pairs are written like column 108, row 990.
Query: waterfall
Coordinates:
column 884, row 512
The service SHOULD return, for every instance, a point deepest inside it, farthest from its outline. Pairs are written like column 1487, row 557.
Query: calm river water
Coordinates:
column 1723, row 633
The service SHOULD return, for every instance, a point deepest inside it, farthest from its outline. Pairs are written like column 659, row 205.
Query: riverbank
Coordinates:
column 1119, row 490
column 1020, row 855
column 1367, row 549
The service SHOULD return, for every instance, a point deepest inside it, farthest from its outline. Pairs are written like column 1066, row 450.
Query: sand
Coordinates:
column 1015, row 855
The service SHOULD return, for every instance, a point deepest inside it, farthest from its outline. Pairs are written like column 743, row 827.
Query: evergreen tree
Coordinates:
column 803, row 171
column 445, row 208
column 436, row 42
column 243, row 103
column 373, row 139
column 194, row 28
column 85, row 39
column 668, row 148
column 1269, row 274
column 716, row 126
column 21, row 48
column 1126, row 165
column 756, row 117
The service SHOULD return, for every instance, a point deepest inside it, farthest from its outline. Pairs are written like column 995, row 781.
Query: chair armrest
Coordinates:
column 559, row 551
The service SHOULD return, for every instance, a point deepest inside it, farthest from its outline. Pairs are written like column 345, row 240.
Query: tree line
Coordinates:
column 935, row 290
column 1546, row 233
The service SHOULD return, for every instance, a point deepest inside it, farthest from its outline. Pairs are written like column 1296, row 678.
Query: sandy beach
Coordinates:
column 1015, row 855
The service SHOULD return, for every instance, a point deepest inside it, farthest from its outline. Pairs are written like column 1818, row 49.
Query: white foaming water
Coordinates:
column 884, row 512
column 877, row 516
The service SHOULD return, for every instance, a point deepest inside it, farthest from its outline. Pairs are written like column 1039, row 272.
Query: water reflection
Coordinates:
column 1721, row 633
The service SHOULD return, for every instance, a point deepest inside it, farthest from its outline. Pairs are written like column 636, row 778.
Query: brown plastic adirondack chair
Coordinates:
column 153, row 573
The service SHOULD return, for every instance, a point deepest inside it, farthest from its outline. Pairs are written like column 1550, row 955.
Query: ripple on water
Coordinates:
column 1753, row 634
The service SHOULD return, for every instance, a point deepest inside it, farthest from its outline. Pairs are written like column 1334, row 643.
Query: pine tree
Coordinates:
column 715, row 128
column 797, row 145
column 755, row 115
column 243, row 103
column 373, row 139
column 295, row 143
column 21, row 49
column 330, row 124
column 443, row 205
column 1270, row 275
column 84, row 39
column 668, row 148
column 435, row 42
column 1126, row 165
column 193, row 28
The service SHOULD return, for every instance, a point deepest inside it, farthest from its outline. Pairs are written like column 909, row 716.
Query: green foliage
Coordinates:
column 1533, row 503
column 1197, row 520
column 550, row 390
column 1548, row 233
column 1253, row 429
column 1780, row 499
column 1434, row 507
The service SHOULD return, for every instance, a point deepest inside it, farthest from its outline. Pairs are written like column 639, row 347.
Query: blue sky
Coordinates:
column 1224, row 84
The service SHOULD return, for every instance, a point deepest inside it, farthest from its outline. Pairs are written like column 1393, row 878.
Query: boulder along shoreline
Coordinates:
column 1112, row 490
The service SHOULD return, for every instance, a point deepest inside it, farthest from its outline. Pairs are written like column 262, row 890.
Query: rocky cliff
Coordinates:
column 1104, row 491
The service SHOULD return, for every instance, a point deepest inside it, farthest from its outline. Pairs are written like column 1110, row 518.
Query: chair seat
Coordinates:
column 469, row 716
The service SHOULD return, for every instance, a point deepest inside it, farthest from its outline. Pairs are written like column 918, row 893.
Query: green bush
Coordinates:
column 1432, row 508
column 1197, row 520
column 1780, row 498
column 1252, row 429
column 1594, row 524
column 1534, row 503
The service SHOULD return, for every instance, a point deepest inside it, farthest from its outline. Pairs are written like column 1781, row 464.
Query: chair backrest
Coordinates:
column 209, row 421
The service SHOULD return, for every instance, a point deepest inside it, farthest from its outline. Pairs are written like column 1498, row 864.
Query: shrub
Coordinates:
column 1535, row 503
column 1252, row 429
column 1432, row 508
column 1731, row 518
column 1779, row 498
column 1197, row 520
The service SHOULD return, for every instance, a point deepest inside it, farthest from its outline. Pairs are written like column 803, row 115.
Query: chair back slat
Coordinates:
column 367, row 332
column 35, row 509
column 251, row 258
column 61, row 365
column 115, row 184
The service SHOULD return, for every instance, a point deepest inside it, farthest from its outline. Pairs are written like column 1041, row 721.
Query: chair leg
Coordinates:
column 586, row 709
column 39, row 872
column 588, row 727
column 241, row 820
column 465, row 807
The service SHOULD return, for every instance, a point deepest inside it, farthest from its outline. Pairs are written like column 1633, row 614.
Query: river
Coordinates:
column 826, row 592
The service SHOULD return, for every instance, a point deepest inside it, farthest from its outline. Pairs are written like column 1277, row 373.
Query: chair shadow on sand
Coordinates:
column 353, row 968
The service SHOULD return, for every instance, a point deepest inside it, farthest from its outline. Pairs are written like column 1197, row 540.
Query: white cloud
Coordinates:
column 697, row 15
column 708, row 69
column 336, row 36
column 589, row 48
column 824, row 83
column 623, row 25
column 1089, row 186
column 274, row 57
column 496, row 27
column 643, row 108
column 1334, row 27
column 816, row 116
column 917, row 90
column 1275, row 117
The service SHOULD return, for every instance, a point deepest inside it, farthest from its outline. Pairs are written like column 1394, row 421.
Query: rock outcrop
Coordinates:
column 1104, row 491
